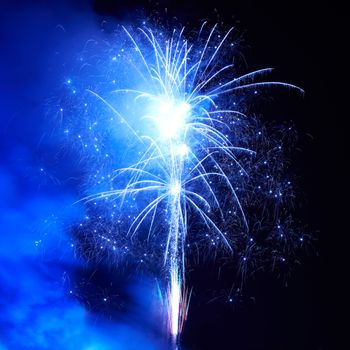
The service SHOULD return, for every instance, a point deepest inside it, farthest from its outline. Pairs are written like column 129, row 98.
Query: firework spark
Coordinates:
column 187, row 98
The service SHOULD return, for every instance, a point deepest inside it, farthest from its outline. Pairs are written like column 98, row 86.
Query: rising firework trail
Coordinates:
column 187, row 101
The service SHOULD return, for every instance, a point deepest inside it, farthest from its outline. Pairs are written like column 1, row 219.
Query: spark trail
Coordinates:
column 187, row 102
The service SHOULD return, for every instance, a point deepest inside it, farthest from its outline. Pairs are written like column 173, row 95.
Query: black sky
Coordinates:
column 306, row 43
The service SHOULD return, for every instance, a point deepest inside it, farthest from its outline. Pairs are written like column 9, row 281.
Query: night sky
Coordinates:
column 51, row 300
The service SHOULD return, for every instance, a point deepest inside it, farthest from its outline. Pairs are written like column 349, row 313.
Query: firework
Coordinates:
column 192, row 151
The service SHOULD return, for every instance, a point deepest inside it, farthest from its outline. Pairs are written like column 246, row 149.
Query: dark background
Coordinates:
column 306, row 42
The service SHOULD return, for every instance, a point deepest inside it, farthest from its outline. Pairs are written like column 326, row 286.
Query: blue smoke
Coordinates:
column 38, row 186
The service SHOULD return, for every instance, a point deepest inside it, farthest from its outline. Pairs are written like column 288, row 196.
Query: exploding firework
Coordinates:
column 197, row 163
